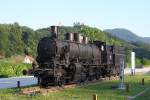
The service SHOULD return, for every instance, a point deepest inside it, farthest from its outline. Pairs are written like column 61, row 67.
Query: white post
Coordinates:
column 132, row 63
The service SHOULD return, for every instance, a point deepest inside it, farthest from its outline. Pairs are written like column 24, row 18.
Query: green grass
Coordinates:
column 146, row 65
column 85, row 92
column 145, row 96
column 146, row 62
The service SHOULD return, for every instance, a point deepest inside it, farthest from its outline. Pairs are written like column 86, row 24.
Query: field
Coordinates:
column 103, row 89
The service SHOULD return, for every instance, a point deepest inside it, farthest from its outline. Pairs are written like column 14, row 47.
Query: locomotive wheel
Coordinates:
column 90, row 78
column 39, row 80
column 97, row 76
column 61, row 81
column 85, row 80
column 43, row 82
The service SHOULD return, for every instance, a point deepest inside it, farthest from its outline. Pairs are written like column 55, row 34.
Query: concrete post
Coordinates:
column 132, row 63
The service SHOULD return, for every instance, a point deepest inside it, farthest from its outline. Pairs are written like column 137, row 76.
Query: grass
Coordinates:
column 85, row 92
column 145, row 96
column 147, row 65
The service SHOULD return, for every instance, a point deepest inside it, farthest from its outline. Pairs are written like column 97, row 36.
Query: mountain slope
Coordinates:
column 146, row 39
column 127, row 35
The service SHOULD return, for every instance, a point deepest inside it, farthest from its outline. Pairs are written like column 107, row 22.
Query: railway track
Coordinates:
column 50, row 89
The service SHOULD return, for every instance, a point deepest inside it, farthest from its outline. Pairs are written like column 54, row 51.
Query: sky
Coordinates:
column 103, row 14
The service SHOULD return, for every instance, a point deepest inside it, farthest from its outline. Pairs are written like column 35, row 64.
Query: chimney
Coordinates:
column 54, row 31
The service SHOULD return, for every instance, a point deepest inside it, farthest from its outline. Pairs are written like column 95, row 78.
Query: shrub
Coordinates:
column 146, row 62
column 10, row 69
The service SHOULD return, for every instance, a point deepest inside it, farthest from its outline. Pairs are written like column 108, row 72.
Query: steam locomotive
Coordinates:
column 75, row 59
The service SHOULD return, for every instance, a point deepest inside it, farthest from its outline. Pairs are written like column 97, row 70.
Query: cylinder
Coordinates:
column 54, row 31
column 85, row 39
column 69, row 36
column 76, row 37
column 80, row 38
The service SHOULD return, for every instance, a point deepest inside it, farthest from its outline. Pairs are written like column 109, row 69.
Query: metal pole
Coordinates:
column 18, row 84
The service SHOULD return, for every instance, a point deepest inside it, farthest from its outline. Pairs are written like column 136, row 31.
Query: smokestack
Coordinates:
column 54, row 31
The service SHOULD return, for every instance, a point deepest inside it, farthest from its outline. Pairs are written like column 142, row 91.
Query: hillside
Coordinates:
column 146, row 39
column 127, row 35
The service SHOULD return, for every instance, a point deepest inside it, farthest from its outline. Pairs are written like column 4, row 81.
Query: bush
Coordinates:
column 9, row 69
column 146, row 62
column 138, row 61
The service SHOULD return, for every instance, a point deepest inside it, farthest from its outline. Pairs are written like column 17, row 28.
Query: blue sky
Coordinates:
column 104, row 14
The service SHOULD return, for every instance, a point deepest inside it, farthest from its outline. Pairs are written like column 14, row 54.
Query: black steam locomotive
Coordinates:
column 74, row 59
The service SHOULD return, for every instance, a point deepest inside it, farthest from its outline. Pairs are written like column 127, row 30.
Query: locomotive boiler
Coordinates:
column 74, row 59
